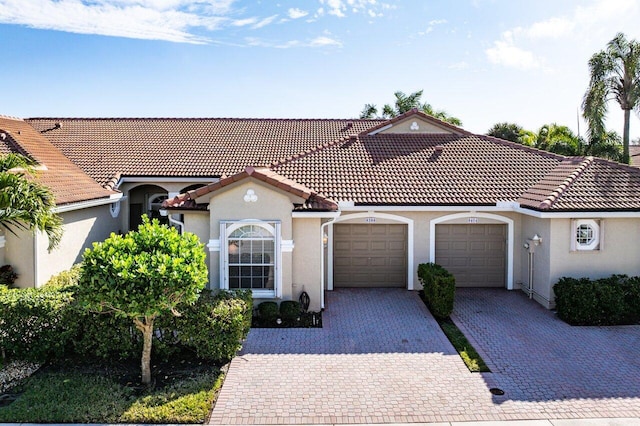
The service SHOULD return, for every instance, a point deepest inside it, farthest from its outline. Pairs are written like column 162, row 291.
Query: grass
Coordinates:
column 469, row 355
column 80, row 397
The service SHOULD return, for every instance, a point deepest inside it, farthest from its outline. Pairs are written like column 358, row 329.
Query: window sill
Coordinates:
column 263, row 294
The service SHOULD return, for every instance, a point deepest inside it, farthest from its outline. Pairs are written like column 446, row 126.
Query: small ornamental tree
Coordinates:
column 143, row 275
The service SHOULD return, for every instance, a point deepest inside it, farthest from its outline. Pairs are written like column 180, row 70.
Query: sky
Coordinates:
column 483, row 61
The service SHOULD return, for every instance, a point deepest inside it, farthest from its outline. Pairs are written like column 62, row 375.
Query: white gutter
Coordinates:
column 86, row 204
column 506, row 207
column 316, row 215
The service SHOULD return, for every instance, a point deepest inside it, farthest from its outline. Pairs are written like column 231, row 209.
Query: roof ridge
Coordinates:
column 523, row 147
column 364, row 120
column 618, row 165
column 566, row 184
column 10, row 117
column 416, row 111
column 308, row 152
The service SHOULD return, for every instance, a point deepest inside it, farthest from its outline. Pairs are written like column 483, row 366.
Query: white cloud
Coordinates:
column 340, row 8
column 551, row 28
column 431, row 26
column 321, row 41
column 462, row 65
column 264, row 22
column 244, row 22
column 147, row 19
column 295, row 13
column 505, row 52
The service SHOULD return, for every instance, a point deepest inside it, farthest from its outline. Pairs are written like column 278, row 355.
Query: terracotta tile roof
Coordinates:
column 313, row 201
column 431, row 169
column 67, row 181
column 602, row 186
column 327, row 160
column 106, row 148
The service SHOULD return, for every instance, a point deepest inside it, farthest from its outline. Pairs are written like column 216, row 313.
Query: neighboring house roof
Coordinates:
column 313, row 201
column 67, row 181
column 634, row 154
column 108, row 148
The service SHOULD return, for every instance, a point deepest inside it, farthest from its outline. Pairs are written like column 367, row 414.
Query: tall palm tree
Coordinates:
column 404, row 103
column 24, row 203
column 559, row 139
column 615, row 74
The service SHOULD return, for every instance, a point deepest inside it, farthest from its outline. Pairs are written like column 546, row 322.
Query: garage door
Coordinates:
column 474, row 254
column 367, row 255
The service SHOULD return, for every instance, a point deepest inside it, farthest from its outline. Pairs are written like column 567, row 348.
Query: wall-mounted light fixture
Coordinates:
column 325, row 240
column 536, row 240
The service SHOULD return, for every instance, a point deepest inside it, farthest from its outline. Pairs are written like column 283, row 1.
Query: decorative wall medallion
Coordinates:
column 414, row 126
column 250, row 196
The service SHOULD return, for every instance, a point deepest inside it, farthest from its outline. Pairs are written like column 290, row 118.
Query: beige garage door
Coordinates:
column 474, row 254
column 367, row 255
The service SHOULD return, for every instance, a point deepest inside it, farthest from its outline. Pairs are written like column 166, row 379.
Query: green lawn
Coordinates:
column 73, row 397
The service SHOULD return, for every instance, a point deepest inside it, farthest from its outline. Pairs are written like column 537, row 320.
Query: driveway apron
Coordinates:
column 381, row 358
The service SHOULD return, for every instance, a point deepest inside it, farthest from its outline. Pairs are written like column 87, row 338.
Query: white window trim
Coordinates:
column 596, row 244
column 274, row 227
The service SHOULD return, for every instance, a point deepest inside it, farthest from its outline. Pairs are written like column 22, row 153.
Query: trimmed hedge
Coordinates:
column 268, row 311
column 48, row 323
column 439, row 288
column 606, row 301
column 214, row 327
column 35, row 324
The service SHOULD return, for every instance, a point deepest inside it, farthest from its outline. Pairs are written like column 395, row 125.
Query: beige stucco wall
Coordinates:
column 271, row 204
column 198, row 223
column 307, row 261
column 19, row 250
column 423, row 127
column 619, row 253
column 541, row 258
column 81, row 229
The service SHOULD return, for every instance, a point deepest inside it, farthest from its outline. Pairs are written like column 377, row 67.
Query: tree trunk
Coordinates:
column 625, row 137
column 146, row 328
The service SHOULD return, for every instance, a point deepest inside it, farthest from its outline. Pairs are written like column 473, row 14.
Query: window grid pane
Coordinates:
column 251, row 258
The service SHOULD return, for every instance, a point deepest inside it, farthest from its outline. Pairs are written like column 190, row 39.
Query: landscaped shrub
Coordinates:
column 439, row 289
column 268, row 312
column 34, row 323
column 289, row 310
column 214, row 327
column 66, row 278
column 606, row 301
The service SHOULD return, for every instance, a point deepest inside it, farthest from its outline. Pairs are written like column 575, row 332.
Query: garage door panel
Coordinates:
column 474, row 254
column 368, row 255
column 342, row 245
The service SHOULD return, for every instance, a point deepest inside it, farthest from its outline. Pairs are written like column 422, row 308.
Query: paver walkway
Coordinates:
column 381, row 358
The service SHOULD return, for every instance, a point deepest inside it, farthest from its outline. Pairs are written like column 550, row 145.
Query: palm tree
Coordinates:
column 405, row 103
column 24, row 203
column 559, row 139
column 615, row 74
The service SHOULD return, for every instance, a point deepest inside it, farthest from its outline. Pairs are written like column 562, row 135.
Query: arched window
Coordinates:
column 251, row 256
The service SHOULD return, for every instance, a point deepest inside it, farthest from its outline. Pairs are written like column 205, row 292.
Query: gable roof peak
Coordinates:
column 414, row 112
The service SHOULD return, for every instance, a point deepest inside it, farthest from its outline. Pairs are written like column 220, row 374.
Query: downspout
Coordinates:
column 35, row 259
column 176, row 222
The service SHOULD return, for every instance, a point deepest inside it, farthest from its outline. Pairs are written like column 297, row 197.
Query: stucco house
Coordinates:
column 286, row 206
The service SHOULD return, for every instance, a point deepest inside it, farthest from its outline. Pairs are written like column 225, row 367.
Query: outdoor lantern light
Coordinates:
column 325, row 239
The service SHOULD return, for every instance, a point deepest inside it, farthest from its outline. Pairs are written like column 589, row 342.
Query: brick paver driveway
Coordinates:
column 381, row 358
